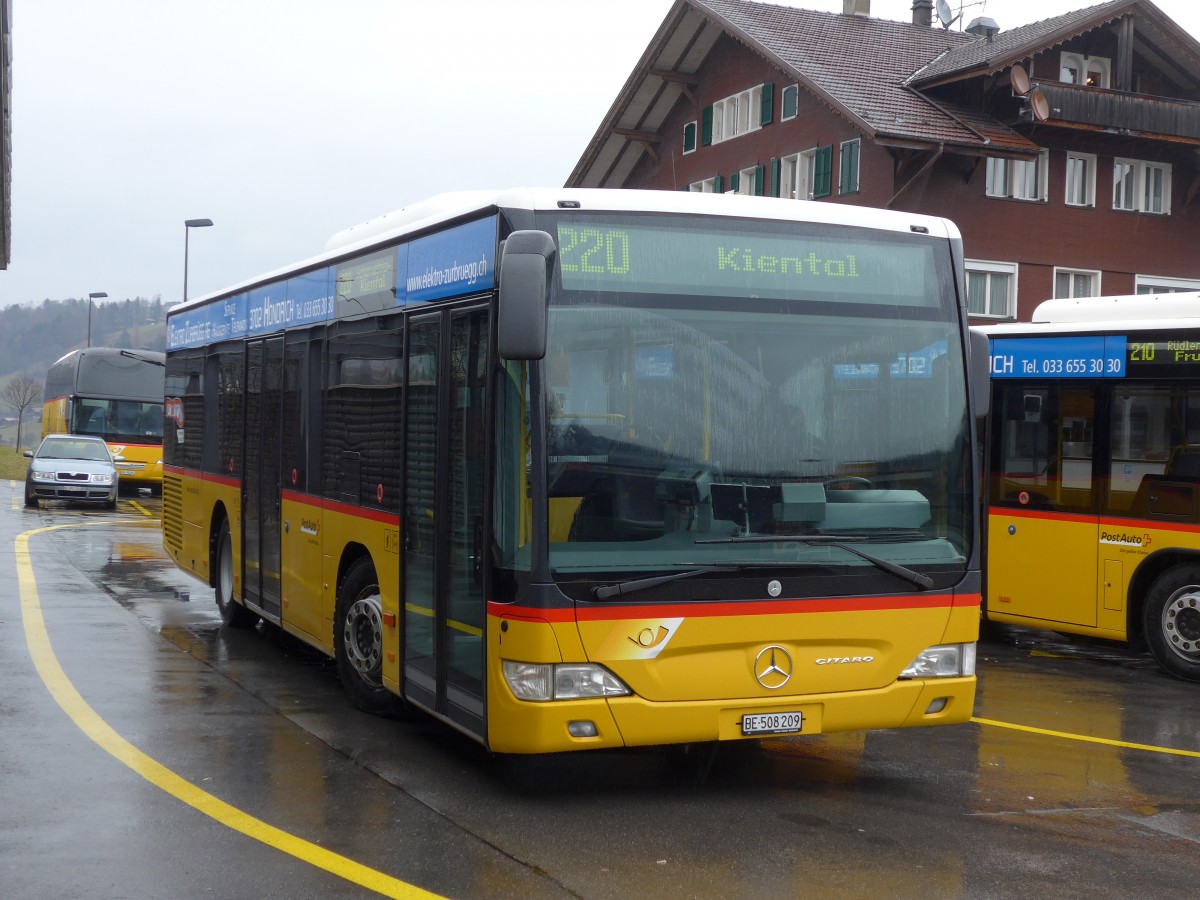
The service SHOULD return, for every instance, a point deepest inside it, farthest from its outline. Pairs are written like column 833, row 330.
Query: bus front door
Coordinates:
column 1043, row 523
column 442, row 523
column 261, row 485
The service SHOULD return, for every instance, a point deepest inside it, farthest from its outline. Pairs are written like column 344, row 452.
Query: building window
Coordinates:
column 1081, row 179
column 749, row 182
column 991, row 289
column 714, row 185
column 1152, row 284
column 794, row 176
column 807, row 175
column 1017, row 179
column 848, row 180
column 1141, row 186
column 737, row 114
column 1069, row 283
column 791, row 102
column 689, row 137
column 1079, row 68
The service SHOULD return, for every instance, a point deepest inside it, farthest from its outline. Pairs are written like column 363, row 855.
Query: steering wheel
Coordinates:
column 844, row 481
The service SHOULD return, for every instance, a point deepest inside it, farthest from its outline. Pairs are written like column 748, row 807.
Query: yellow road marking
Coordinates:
column 140, row 508
column 1150, row 748
column 103, row 734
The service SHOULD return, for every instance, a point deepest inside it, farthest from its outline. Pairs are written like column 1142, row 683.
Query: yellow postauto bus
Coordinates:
column 1094, row 473
column 573, row 469
column 116, row 394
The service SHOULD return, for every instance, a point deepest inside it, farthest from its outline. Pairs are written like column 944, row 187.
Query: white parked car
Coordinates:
column 72, row 467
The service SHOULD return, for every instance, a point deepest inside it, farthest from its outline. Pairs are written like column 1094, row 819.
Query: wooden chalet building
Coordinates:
column 1067, row 150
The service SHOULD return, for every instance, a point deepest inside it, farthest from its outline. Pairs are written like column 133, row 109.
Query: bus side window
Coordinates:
column 1042, row 452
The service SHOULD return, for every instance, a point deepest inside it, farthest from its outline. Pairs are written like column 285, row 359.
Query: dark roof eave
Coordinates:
column 902, row 142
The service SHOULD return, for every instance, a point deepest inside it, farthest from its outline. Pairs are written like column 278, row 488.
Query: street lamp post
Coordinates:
column 95, row 295
column 188, row 225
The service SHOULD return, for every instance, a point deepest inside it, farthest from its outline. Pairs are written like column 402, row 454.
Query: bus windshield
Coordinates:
column 133, row 421
column 712, row 387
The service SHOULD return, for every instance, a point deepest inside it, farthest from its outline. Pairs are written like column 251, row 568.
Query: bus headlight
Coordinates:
column 562, row 681
column 942, row 661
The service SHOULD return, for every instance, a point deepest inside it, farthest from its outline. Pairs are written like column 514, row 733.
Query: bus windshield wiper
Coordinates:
column 604, row 591
column 841, row 541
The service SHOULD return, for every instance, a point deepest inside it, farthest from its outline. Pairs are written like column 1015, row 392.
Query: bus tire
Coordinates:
column 233, row 614
column 1171, row 621
column 358, row 640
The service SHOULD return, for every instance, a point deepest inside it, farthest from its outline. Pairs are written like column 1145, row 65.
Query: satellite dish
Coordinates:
column 1040, row 105
column 1019, row 79
column 943, row 11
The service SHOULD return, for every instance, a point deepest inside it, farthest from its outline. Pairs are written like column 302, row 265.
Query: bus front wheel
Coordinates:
column 1171, row 620
column 358, row 639
column 233, row 613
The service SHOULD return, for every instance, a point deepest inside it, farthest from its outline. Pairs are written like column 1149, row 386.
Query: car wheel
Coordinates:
column 1171, row 619
column 233, row 613
column 358, row 640
column 30, row 501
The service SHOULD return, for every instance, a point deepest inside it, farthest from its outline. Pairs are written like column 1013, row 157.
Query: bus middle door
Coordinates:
column 261, row 487
column 1043, row 522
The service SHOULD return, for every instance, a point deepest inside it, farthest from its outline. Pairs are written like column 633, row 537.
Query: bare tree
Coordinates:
column 20, row 393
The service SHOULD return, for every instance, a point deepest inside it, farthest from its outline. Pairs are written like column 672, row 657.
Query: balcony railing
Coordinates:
column 1122, row 111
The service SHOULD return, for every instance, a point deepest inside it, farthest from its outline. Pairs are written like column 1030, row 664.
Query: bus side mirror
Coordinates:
column 525, row 269
column 980, row 374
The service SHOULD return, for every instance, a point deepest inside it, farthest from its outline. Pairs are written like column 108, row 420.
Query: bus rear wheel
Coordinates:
column 358, row 639
column 233, row 613
column 1171, row 620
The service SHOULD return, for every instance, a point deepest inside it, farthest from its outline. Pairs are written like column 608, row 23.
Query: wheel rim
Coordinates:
column 1181, row 623
column 362, row 636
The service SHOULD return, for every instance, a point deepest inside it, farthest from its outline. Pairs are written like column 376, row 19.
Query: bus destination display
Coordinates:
column 768, row 261
column 1093, row 356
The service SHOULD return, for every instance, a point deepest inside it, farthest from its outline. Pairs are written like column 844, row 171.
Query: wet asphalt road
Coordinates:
column 254, row 719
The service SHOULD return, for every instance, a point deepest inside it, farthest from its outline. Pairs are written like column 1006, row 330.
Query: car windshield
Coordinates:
column 66, row 449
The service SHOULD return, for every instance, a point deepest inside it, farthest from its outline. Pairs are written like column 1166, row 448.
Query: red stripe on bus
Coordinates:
column 1048, row 515
column 204, row 476
column 736, row 608
column 349, row 509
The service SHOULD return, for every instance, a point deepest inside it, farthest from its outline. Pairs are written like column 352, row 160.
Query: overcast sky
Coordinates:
column 285, row 121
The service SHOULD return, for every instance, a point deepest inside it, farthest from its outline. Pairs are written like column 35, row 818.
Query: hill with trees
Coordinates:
column 33, row 336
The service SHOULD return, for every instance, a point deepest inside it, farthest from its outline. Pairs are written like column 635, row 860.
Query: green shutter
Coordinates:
column 823, row 172
column 718, row 184
column 759, row 178
column 735, row 181
column 791, row 101
column 848, row 184
column 776, row 175
column 706, row 116
column 689, row 137
column 768, row 104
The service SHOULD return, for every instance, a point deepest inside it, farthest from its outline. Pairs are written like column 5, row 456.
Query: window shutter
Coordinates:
column 689, row 137
column 706, row 122
column 776, row 172
column 823, row 172
column 848, row 183
column 759, row 178
column 718, row 184
column 735, row 181
column 791, row 101
column 768, row 104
